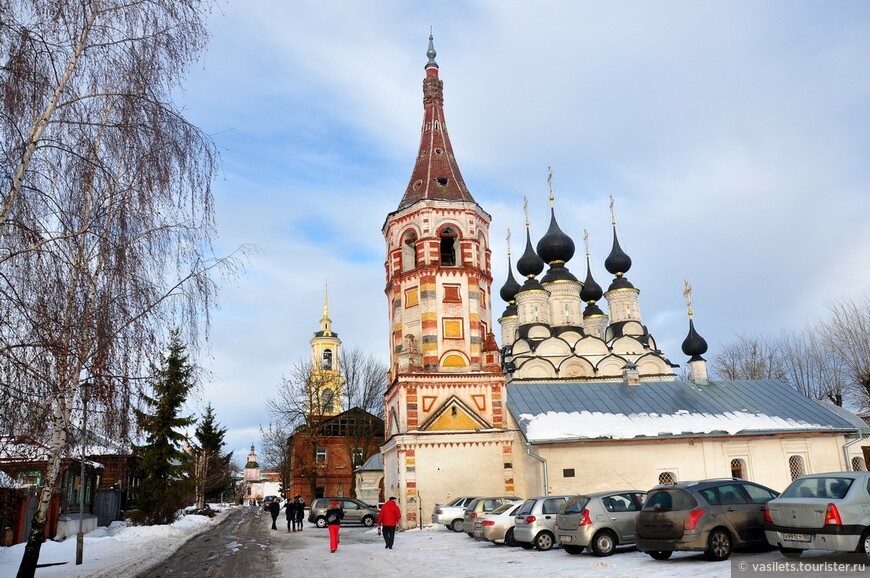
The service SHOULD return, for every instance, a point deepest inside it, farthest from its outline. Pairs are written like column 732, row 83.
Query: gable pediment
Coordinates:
column 455, row 415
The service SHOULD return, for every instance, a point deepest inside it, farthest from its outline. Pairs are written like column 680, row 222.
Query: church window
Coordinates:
column 326, row 361
column 858, row 465
column 409, row 251
column 452, row 294
column 481, row 297
column 441, row 181
column 357, row 457
column 449, row 238
column 327, row 401
column 438, row 151
column 738, row 468
column 452, row 328
column 796, row 466
column 568, row 473
column 667, row 478
column 321, row 455
column 418, row 184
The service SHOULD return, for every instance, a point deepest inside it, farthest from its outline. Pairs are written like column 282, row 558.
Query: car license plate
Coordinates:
column 797, row 537
column 566, row 539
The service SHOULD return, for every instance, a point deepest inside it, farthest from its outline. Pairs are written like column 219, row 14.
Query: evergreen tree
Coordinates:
column 213, row 472
column 163, row 464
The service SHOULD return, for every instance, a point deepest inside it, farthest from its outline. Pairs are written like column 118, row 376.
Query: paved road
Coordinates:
column 239, row 546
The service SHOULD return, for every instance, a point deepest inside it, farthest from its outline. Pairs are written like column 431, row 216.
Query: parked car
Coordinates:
column 267, row 501
column 535, row 522
column 823, row 512
column 355, row 512
column 600, row 520
column 710, row 516
column 480, row 506
column 451, row 515
column 498, row 526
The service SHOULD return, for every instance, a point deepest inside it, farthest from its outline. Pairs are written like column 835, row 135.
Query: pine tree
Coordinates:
column 213, row 469
column 163, row 464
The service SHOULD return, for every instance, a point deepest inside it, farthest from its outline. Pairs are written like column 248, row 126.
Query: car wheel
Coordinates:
column 791, row 552
column 320, row 522
column 573, row 549
column 544, row 541
column 864, row 543
column 368, row 521
column 660, row 554
column 525, row 545
column 456, row 525
column 603, row 543
column 718, row 545
column 509, row 539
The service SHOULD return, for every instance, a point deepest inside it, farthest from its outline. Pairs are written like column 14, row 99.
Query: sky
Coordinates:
column 121, row 551
column 734, row 138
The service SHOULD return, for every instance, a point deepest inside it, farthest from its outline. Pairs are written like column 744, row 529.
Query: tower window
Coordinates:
column 326, row 362
column 409, row 251
column 327, row 401
column 449, row 237
column 441, row 181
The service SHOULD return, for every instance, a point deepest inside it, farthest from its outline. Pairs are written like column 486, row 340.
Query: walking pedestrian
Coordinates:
column 274, row 509
column 388, row 518
column 334, row 516
column 300, row 512
column 290, row 507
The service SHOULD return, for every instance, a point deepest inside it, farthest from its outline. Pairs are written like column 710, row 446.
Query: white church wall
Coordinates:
column 637, row 465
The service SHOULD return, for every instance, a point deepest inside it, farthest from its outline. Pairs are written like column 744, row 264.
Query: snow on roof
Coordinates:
column 591, row 425
column 559, row 411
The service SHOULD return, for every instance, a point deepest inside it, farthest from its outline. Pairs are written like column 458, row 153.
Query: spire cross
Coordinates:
column 687, row 293
column 612, row 212
column 550, row 186
column 509, row 241
column 526, row 210
column 325, row 299
column 586, row 241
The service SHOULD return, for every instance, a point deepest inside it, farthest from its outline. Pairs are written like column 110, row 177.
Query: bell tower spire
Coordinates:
column 325, row 383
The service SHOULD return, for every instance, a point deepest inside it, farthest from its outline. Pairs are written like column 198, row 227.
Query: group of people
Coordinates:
column 388, row 518
column 295, row 513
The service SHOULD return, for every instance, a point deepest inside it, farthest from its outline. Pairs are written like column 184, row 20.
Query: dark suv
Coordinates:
column 710, row 516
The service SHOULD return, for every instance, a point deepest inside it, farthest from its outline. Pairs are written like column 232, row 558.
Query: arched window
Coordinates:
column 326, row 361
column 327, row 400
column 796, row 466
column 858, row 464
column 738, row 468
column 667, row 478
column 409, row 251
column 449, row 237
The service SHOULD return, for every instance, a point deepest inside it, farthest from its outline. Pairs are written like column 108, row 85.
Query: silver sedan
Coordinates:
column 498, row 526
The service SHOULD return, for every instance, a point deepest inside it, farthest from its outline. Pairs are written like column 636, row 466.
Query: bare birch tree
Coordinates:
column 106, row 210
column 846, row 335
column 749, row 357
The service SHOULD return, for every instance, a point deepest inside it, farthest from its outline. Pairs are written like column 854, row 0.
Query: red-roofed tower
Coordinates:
column 444, row 402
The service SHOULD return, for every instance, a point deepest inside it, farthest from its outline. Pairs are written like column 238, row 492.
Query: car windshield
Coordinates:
column 671, row 499
column 824, row 487
column 526, row 508
column 457, row 502
column 575, row 505
column 503, row 508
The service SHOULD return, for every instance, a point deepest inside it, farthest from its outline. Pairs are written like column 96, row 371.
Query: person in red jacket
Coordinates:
column 388, row 518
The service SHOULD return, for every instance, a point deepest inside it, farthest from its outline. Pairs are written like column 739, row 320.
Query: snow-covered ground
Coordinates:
column 125, row 551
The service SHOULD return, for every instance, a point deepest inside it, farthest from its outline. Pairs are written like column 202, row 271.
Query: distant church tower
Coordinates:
column 325, row 385
column 444, row 403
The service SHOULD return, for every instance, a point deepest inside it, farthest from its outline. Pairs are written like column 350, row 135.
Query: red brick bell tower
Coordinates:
column 444, row 404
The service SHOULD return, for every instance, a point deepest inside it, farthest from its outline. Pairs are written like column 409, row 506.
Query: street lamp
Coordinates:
column 85, row 393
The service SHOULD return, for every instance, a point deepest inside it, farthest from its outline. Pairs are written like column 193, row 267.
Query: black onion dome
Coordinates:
column 592, row 309
column 509, row 290
column 694, row 344
column 591, row 291
column 617, row 263
column 558, row 272
column 529, row 265
column 555, row 246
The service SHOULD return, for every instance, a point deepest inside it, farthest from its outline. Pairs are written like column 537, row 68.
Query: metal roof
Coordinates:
column 712, row 400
